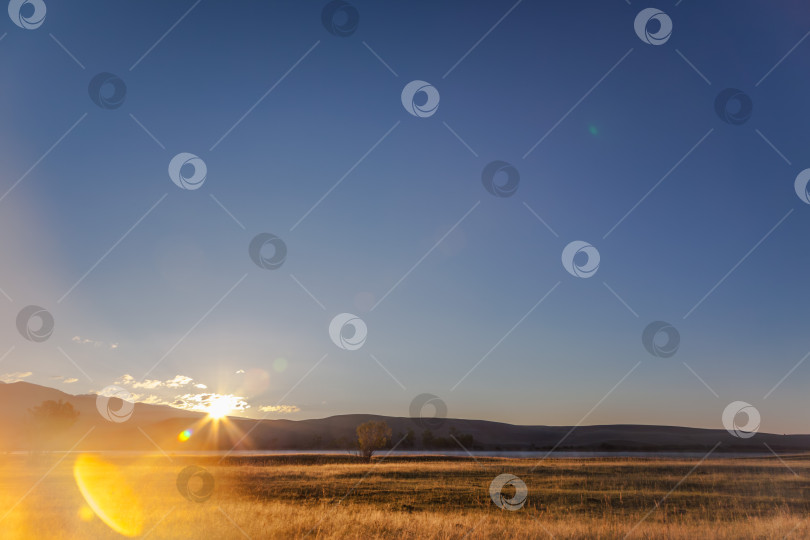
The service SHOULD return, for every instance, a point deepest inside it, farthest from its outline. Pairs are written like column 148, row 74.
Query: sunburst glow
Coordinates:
column 220, row 407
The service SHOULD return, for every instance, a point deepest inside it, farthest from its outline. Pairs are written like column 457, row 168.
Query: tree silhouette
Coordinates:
column 372, row 436
column 51, row 418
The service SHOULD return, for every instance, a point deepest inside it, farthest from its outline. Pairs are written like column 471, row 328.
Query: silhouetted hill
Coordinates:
column 152, row 426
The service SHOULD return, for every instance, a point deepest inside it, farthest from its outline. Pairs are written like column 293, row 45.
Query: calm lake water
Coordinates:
column 459, row 453
column 495, row 453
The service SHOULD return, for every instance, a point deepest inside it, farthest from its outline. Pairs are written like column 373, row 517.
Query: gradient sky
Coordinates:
column 388, row 213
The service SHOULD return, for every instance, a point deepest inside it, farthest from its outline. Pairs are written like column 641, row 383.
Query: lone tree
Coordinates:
column 51, row 419
column 372, row 436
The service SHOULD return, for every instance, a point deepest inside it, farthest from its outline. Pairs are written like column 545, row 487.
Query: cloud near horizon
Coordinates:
column 199, row 402
column 202, row 402
column 64, row 379
column 282, row 409
column 178, row 381
column 17, row 376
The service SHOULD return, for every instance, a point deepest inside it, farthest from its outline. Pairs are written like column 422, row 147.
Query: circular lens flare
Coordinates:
column 184, row 435
column 86, row 513
column 107, row 491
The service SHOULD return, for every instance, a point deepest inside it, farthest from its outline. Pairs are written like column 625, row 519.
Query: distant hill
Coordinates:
column 158, row 425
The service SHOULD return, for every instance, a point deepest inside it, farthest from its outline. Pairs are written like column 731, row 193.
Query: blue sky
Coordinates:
column 162, row 280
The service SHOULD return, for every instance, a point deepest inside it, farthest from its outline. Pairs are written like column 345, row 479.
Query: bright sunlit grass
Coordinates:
column 331, row 498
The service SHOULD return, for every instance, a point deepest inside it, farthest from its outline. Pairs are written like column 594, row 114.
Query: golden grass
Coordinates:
column 331, row 497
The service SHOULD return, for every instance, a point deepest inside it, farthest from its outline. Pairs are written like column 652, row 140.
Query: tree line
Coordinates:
column 376, row 436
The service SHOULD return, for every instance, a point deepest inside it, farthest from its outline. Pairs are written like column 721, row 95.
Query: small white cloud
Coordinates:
column 282, row 409
column 151, row 384
column 240, row 371
column 126, row 379
column 15, row 377
column 200, row 386
column 62, row 378
column 148, row 384
column 93, row 342
column 178, row 381
column 112, row 391
column 153, row 400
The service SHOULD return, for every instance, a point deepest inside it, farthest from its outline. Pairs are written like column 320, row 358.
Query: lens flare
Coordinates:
column 86, row 513
column 280, row 364
column 184, row 435
column 108, row 493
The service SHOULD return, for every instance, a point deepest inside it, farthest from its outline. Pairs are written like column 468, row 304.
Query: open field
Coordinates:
column 336, row 497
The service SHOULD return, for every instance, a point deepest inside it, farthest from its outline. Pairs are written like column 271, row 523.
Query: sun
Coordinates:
column 219, row 408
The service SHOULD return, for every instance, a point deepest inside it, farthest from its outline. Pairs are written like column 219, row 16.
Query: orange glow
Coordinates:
column 86, row 513
column 108, row 493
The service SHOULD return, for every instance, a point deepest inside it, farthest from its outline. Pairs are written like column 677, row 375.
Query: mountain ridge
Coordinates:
column 156, row 427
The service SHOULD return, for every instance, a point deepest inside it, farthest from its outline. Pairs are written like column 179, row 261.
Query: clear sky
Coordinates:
column 149, row 280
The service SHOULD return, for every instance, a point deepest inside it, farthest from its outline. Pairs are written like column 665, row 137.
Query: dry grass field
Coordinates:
column 335, row 497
